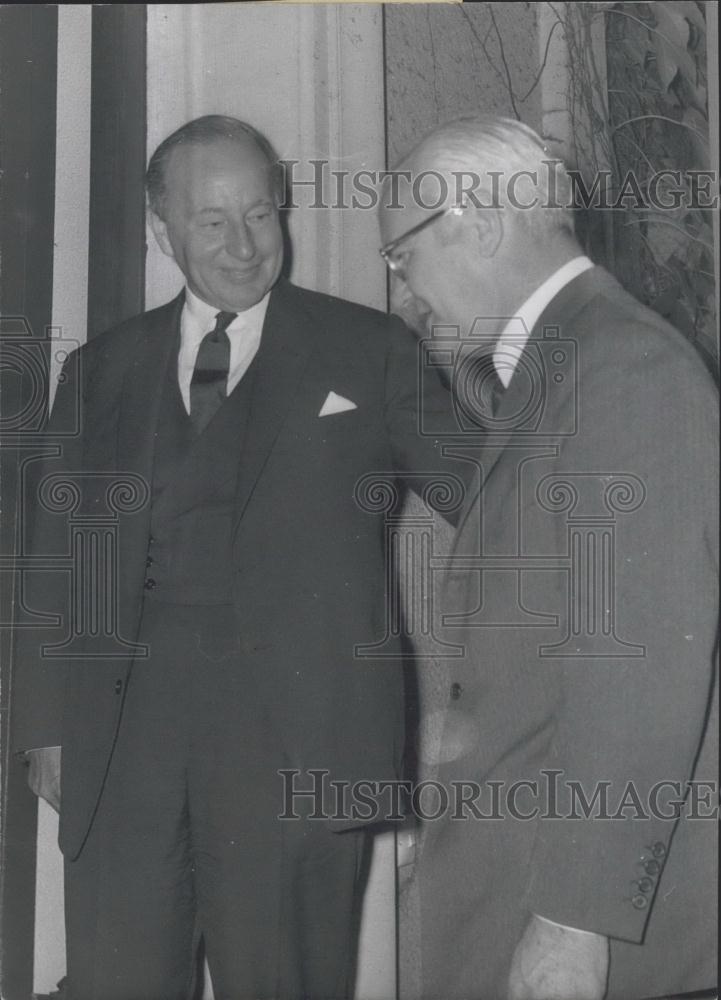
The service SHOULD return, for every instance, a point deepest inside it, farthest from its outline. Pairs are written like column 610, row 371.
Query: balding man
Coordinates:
column 583, row 591
column 249, row 409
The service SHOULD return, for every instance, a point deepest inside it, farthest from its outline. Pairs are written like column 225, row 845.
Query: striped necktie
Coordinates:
column 208, row 387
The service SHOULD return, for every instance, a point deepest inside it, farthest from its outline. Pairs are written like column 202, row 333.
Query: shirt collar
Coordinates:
column 516, row 332
column 203, row 315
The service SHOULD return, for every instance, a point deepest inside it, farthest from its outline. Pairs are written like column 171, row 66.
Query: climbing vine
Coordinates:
column 638, row 105
column 658, row 120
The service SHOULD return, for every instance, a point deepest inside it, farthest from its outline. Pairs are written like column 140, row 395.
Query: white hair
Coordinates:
column 502, row 162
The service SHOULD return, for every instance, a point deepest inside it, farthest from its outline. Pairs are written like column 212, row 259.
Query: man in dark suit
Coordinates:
column 583, row 591
column 221, row 437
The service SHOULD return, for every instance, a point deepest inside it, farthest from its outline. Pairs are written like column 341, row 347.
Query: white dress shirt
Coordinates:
column 197, row 319
column 516, row 332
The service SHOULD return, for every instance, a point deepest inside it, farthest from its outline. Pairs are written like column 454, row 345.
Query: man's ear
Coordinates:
column 160, row 231
column 487, row 227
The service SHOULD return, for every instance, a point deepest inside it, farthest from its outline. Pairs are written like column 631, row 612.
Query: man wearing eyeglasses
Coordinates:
column 573, row 737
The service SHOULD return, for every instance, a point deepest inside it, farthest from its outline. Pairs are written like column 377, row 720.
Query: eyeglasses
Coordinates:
column 387, row 252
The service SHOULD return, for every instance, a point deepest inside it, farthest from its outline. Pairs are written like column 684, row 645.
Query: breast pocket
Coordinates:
column 349, row 422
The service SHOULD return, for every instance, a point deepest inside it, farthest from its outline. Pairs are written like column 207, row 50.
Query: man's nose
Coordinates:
column 239, row 241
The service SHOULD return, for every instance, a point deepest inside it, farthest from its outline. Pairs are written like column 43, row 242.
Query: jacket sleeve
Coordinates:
column 629, row 727
column 421, row 422
column 42, row 603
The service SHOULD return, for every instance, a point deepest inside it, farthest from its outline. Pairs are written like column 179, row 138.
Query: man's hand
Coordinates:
column 44, row 774
column 558, row 963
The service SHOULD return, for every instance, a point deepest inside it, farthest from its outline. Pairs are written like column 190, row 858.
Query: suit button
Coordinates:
column 640, row 902
column 456, row 690
column 149, row 562
column 149, row 583
column 646, row 884
column 150, row 540
column 658, row 850
column 652, row 867
column 118, row 686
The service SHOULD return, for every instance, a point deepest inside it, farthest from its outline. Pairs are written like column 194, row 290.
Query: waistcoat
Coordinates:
column 189, row 553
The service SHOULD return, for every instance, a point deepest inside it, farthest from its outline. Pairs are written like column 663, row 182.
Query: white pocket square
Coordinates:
column 336, row 404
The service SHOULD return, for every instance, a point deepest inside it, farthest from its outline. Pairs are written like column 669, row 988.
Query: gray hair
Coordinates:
column 487, row 155
column 203, row 131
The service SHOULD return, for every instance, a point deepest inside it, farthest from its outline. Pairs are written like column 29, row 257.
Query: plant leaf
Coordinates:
column 671, row 40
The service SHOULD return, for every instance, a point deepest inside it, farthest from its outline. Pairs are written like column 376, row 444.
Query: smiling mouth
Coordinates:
column 233, row 274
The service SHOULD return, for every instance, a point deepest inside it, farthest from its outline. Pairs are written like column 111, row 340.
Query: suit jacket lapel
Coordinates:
column 138, row 417
column 509, row 419
column 493, row 447
column 207, row 462
column 141, row 396
column 286, row 345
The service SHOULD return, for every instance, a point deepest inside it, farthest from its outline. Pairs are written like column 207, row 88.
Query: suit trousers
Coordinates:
column 186, row 841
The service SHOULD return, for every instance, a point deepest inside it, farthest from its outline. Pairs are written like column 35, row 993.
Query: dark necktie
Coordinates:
column 210, row 377
column 491, row 392
column 481, row 388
